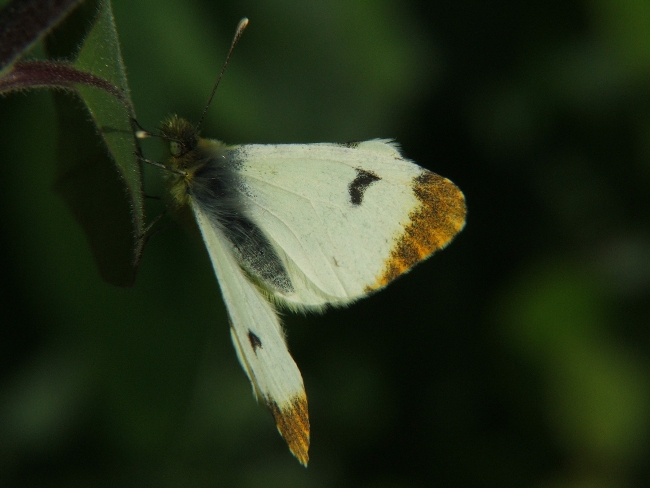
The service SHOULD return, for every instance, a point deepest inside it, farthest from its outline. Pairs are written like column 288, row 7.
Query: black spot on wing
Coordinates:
column 255, row 341
column 214, row 187
column 351, row 144
column 360, row 184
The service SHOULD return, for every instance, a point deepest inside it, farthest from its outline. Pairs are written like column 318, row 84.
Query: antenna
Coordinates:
column 238, row 32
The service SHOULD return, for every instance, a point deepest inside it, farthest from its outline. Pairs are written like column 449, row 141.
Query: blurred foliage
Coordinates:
column 519, row 356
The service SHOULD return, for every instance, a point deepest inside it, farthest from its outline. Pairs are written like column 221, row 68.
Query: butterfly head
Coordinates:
column 182, row 136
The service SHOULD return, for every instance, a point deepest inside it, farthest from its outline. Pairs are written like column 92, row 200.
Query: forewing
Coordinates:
column 345, row 218
column 259, row 341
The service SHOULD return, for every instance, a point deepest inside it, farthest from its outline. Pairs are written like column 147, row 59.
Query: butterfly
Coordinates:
column 303, row 227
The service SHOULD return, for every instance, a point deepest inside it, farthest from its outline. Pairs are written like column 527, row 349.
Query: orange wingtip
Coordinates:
column 292, row 421
column 433, row 224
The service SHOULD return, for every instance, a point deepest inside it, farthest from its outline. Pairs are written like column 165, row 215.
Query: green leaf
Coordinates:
column 94, row 190
column 24, row 22
column 99, row 176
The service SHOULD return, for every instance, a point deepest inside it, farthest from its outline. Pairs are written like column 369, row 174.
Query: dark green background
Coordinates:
column 519, row 356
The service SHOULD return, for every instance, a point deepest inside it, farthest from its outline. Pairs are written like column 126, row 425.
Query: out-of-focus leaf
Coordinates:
column 24, row 22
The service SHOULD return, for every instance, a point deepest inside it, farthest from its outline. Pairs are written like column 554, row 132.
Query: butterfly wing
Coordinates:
column 345, row 219
column 259, row 341
column 307, row 226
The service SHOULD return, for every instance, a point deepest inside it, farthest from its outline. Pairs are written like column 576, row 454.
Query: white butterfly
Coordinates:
column 304, row 226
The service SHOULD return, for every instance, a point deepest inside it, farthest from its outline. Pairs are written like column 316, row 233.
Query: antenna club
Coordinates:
column 243, row 23
column 238, row 32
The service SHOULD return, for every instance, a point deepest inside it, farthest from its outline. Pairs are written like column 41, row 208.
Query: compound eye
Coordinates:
column 175, row 148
